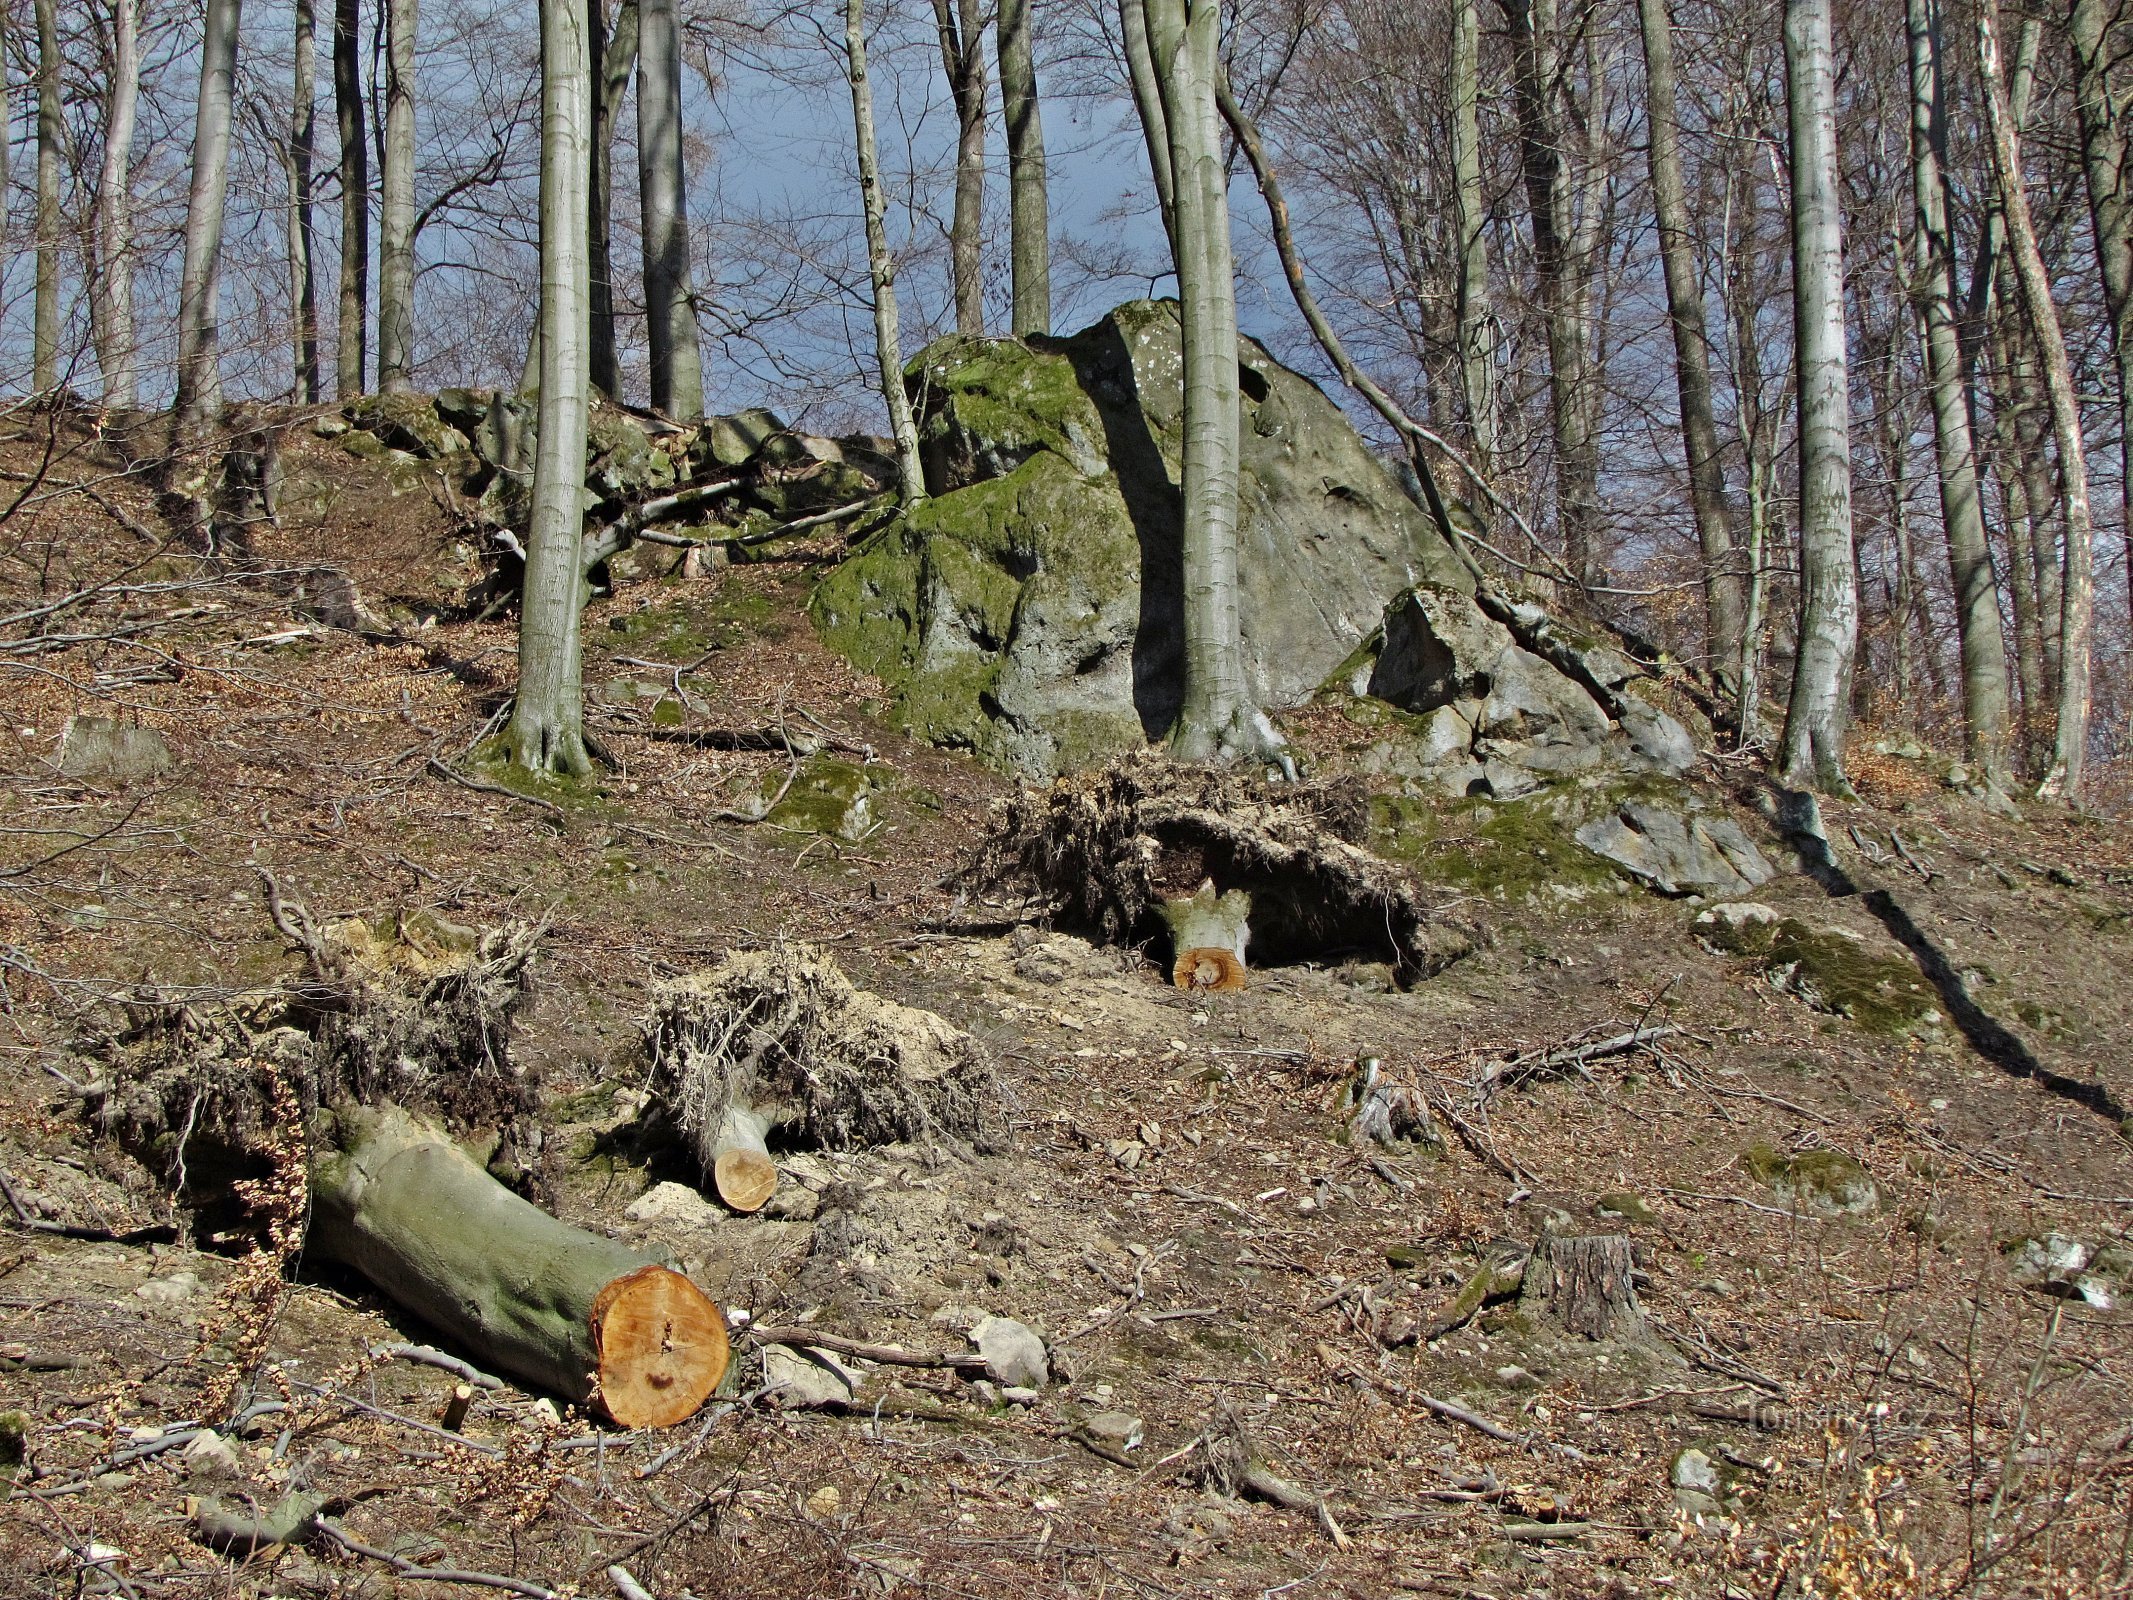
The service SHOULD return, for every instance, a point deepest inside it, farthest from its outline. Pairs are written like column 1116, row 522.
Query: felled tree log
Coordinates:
column 1584, row 1284
column 1208, row 933
column 555, row 1306
column 740, row 1159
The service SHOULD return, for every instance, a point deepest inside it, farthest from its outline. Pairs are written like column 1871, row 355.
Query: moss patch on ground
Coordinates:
column 1818, row 1182
column 1832, row 971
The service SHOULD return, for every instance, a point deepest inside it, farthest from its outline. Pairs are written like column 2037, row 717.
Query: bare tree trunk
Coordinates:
column 1148, row 102
column 547, row 732
column 1476, row 313
column 199, row 396
column 881, row 267
column 2063, row 778
column 111, row 289
column 1029, row 224
column 1977, row 602
column 1537, row 87
column 1756, row 428
column 616, row 52
column 669, row 299
column 355, row 198
column 396, row 202
column 1218, row 719
column 1692, row 363
column 51, row 137
column 2110, row 184
column 303, row 117
column 961, row 26
column 1815, row 718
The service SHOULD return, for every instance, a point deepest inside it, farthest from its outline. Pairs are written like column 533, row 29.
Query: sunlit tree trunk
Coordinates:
column 199, row 396
column 303, row 298
column 1977, row 600
column 396, row 202
column 1148, row 103
column 351, row 337
column 881, row 266
column 1692, row 362
column 1029, row 224
column 111, row 287
column 2063, row 777
column 961, row 25
column 2110, row 185
column 615, row 52
column 669, row 300
column 51, row 140
column 1815, row 717
column 547, row 732
column 1476, row 313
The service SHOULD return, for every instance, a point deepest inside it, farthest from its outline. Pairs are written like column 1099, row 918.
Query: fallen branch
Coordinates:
column 887, row 1355
column 335, row 1534
column 1230, row 1460
column 431, row 1356
column 152, row 1233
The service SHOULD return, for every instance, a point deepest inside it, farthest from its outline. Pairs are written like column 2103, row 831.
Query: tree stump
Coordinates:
column 555, row 1306
column 1208, row 933
column 740, row 1160
column 1584, row 1285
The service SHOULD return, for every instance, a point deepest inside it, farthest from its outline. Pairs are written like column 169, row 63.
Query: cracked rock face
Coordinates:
column 1678, row 851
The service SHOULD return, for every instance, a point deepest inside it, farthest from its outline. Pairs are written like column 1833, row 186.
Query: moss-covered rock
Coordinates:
column 825, row 796
column 1832, row 969
column 1032, row 609
column 406, row 422
column 1817, row 1182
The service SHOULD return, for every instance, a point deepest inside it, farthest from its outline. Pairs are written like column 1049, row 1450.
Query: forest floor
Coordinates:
column 1870, row 1398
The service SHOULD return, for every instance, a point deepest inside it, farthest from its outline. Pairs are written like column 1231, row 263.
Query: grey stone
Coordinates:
column 807, row 1379
column 105, row 748
column 1677, row 850
column 673, row 1205
column 2072, row 1269
column 1695, row 1470
column 1655, row 739
column 1031, row 609
column 733, row 441
column 1120, row 1430
column 171, row 1290
column 208, row 1455
column 1014, row 1356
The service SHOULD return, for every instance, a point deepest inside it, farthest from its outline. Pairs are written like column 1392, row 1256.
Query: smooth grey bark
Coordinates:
column 303, row 134
column 51, row 139
column 2063, row 777
column 2110, row 187
column 881, row 266
column 960, row 25
column 1029, row 224
column 351, row 334
column 669, row 299
column 1476, row 313
column 1692, row 362
column 1755, row 423
column 1558, row 266
column 1977, row 600
column 199, row 396
column 615, row 49
column 1148, row 104
column 547, row 732
column 396, row 202
column 1815, row 717
column 1217, row 719
column 111, row 285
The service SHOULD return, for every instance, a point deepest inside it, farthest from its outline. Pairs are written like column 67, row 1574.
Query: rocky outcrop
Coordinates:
column 1032, row 609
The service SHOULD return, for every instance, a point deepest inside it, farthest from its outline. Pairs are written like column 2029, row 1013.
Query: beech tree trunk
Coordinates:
column 1977, row 601
column 303, row 297
column 1029, row 224
column 199, row 396
column 1218, row 719
column 1692, row 363
column 1815, row 718
column 1148, row 103
column 396, row 202
column 351, row 335
column 669, row 300
column 616, row 52
column 881, row 266
column 2063, row 777
column 547, row 732
column 960, row 25
column 111, row 287
column 1476, row 312
column 554, row 1306
column 51, row 138
column 2110, row 186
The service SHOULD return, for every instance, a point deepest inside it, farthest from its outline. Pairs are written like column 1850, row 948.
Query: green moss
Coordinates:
column 825, row 796
column 1510, row 851
column 492, row 760
column 1822, row 1183
column 1004, row 392
column 1631, row 1209
column 1832, row 972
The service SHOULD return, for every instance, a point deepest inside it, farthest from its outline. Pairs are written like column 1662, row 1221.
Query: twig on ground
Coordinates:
column 335, row 1534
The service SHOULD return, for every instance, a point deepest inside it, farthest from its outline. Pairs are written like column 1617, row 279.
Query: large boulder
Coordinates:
column 1032, row 609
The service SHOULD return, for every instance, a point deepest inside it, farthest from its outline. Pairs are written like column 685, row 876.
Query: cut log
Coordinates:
column 553, row 1305
column 1584, row 1285
column 1386, row 1113
column 1208, row 933
column 740, row 1159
